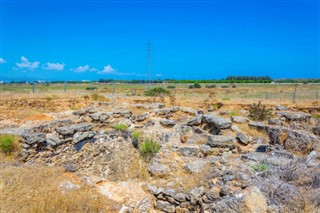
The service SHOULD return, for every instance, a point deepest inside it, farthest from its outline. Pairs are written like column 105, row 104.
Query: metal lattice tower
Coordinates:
column 149, row 57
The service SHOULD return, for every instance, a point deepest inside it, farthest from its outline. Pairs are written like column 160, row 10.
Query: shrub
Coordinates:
column 91, row 88
column 121, row 127
column 7, row 143
column 195, row 85
column 157, row 91
column 48, row 98
column 211, row 86
column 224, row 86
column 259, row 112
column 149, row 148
column 260, row 167
column 98, row 97
column 135, row 135
column 171, row 87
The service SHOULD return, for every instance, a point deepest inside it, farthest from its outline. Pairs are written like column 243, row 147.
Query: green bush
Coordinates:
column 149, row 148
column 224, row 86
column 136, row 135
column 211, row 86
column 195, row 86
column 91, row 88
column 171, row 87
column 157, row 91
column 7, row 143
column 121, row 127
column 260, row 167
column 259, row 112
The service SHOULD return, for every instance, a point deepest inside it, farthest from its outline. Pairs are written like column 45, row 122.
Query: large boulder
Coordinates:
column 196, row 166
column 33, row 138
column 168, row 123
column 293, row 140
column 218, row 122
column 158, row 169
column 80, row 136
column 239, row 119
column 295, row 116
column 195, row 121
column 165, row 206
column 189, row 150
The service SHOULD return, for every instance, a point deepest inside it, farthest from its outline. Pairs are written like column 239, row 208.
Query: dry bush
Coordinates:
column 30, row 189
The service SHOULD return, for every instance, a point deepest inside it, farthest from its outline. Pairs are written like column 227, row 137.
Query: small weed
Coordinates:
column 233, row 113
column 135, row 135
column 7, row 143
column 260, row 167
column 259, row 112
column 121, row 127
column 157, row 91
column 171, row 87
column 149, row 148
column 48, row 98
column 315, row 116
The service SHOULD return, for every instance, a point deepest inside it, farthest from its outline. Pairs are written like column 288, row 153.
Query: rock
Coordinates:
column 152, row 189
column 33, row 138
column 195, row 121
column 163, row 112
column 196, row 166
column 218, row 122
column 70, row 130
column 213, row 194
column 70, row 167
column 53, row 140
column 182, row 210
column 125, row 121
column 141, row 117
column 197, row 139
column 293, row 140
column 180, row 197
column 208, row 150
column 316, row 130
column 95, row 116
column 67, row 186
column 253, row 202
column 221, row 141
column 189, row 150
column 169, row 192
column 243, row 138
column 227, row 205
column 195, row 194
column 257, row 125
column 79, row 136
column 235, row 128
column 187, row 110
column 80, row 112
column 51, row 126
column 157, row 169
column 168, row 123
column 144, row 205
column 281, row 108
column 295, row 116
column 165, row 206
column 274, row 121
column 239, row 119
column 105, row 116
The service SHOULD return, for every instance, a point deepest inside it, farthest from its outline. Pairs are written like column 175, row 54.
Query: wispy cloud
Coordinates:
column 54, row 66
column 108, row 70
column 158, row 75
column 26, row 64
column 2, row 61
column 84, row 68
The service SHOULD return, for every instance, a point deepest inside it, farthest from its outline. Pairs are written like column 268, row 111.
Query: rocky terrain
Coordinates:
column 208, row 162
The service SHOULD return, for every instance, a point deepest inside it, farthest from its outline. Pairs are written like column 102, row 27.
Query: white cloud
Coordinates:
column 2, row 61
column 81, row 68
column 93, row 69
column 26, row 64
column 108, row 70
column 54, row 66
column 158, row 75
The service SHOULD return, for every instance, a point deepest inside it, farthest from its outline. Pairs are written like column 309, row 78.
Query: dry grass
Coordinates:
column 245, row 128
column 30, row 189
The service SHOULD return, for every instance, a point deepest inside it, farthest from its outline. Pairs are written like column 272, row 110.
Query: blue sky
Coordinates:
column 88, row 40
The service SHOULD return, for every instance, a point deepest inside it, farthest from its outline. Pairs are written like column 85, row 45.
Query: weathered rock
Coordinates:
column 157, row 169
column 239, row 119
column 53, row 140
column 218, row 122
column 80, row 112
column 33, row 138
column 316, row 130
column 254, row 202
column 221, row 141
column 196, row 166
column 213, row 194
column 293, row 140
column 141, row 117
column 164, row 112
column 195, row 121
column 295, row 116
column 195, row 194
column 208, row 150
column 281, row 108
column 95, row 116
column 50, row 126
column 189, row 150
column 181, row 197
column 79, row 136
column 227, row 205
column 243, row 138
column 257, row 125
column 187, row 110
column 144, row 205
column 69, row 130
column 168, row 123
column 274, row 121
column 169, row 192
column 165, row 206
column 197, row 139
